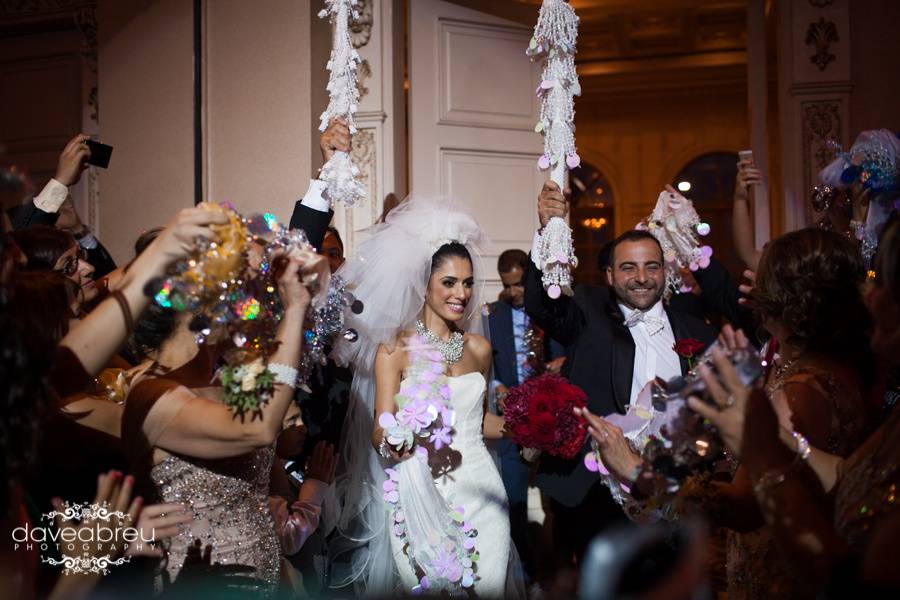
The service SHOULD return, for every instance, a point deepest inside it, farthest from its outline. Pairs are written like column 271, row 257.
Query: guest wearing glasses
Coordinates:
column 50, row 249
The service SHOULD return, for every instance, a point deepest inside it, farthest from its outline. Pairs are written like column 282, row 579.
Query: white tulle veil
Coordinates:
column 389, row 272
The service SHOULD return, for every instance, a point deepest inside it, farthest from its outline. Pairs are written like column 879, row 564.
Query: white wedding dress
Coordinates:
column 467, row 476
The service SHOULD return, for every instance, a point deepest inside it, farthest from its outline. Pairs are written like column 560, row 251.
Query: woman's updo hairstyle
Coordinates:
column 447, row 251
column 809, row 282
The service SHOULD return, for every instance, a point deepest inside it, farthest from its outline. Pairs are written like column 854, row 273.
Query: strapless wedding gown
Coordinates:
column 467, row 476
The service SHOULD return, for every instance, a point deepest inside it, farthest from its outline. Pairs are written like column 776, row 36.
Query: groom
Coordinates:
column 617, row 338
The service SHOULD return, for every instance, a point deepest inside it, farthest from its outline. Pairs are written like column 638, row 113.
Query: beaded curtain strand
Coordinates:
column 554, row 43
column 340, row 174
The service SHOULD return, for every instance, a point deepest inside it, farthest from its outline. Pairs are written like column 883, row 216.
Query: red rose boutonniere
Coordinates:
column 688, row 348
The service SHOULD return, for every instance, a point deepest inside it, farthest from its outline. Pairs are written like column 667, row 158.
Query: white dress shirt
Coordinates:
column 653, row 353
column 314, row 196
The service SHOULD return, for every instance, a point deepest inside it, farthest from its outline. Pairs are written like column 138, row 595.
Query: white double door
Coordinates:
column 472, row 112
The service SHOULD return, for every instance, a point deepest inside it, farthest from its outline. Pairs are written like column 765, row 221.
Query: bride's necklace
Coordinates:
column 451, row 350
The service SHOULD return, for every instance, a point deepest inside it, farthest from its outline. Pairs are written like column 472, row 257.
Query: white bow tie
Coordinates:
column 654, row 324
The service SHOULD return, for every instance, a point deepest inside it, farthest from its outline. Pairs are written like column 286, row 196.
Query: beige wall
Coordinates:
column 146, row 114
column 257, row 115
column 258, row 111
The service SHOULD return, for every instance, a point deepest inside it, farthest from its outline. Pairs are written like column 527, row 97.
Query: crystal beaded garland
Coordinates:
column 554, row 43
column 339, row 173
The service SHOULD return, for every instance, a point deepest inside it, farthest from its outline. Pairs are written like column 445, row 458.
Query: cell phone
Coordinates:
column 746, row 155
column 294, row 471
column 100, row 153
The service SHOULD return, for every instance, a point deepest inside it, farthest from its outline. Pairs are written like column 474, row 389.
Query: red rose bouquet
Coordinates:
column 539, row 415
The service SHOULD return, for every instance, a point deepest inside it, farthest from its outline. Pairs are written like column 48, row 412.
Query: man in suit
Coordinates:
column 521, row 351
column 617, row 338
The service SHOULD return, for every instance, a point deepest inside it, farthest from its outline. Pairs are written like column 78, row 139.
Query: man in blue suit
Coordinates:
column 521, row 351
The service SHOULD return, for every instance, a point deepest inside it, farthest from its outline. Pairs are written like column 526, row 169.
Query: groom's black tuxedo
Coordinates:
column 599, row 359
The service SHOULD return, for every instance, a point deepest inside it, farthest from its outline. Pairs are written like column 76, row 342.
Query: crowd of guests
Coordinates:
column 109, row 397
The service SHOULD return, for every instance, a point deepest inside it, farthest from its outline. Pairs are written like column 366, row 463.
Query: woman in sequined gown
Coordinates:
column 190, row 448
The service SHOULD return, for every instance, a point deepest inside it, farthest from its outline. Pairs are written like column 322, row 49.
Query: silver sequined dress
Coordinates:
column 229, row 500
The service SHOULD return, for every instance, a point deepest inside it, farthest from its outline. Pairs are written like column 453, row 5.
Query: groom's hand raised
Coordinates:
column 551, row 203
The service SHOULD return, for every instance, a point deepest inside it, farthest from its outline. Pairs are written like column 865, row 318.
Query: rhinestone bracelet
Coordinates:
column 284, row 374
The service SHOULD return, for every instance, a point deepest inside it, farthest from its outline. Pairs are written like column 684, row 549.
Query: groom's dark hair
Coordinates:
column 632, row 235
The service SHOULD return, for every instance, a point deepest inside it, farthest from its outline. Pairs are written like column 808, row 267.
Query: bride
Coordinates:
column 423, row 507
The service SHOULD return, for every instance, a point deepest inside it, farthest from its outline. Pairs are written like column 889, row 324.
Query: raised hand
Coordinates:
column 179, row 238
column 747, row 175
column 730, row 400
column 113, row 493
column 731, row 339
column 72, row 160
column 551, row 203
column 335, row 138
column 322, row 463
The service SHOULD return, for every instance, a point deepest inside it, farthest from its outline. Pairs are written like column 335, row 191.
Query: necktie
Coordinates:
column 654, row 324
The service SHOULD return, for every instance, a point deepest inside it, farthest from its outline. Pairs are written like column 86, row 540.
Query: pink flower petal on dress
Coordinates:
column 386, row 420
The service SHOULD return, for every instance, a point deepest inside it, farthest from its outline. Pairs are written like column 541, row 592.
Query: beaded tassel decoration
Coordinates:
column 554, row 43
column 339, row 173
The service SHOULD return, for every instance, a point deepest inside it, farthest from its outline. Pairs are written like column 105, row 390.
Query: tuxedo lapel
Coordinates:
column 622, row 356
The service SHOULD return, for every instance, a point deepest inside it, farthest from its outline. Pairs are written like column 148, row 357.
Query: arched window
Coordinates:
column 593, row 210
column 708, row 181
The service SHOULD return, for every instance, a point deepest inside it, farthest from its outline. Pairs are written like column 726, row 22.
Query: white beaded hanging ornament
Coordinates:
column 340, row 174
column 554, row 42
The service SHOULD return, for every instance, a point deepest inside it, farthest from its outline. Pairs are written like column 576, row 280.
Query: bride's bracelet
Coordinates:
column 383, row 448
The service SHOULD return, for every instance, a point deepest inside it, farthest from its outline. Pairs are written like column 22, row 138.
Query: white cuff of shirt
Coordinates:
column 314, row 197
column 536, row 251
column 51, row 197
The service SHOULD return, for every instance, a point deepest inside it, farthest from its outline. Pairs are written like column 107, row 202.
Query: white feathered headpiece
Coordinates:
column 390, row 269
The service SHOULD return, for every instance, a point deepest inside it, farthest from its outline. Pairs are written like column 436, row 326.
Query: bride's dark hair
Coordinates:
column 449, row 250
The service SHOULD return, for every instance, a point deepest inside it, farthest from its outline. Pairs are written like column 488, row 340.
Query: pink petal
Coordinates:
column 554, row 291
column 573, row 160
column 544, row 162
column 386, row 420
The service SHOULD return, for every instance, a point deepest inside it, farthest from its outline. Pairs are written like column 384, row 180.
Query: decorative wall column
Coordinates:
column 814, row 94
column 87, row 197
column 379, row 147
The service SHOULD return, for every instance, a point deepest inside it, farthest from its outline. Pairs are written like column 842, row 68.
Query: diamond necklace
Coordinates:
column 451, row 350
